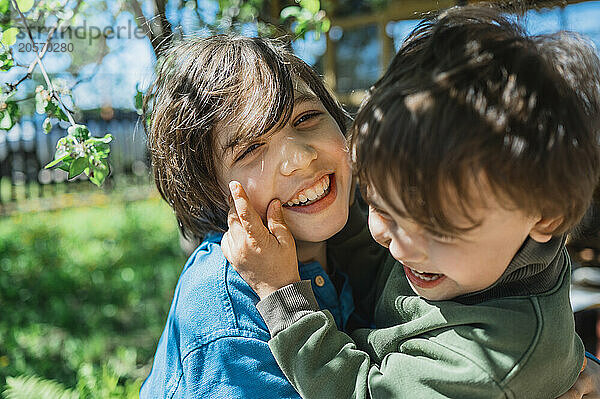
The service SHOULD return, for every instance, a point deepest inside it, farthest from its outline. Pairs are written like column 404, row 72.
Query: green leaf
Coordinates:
column 106, row 139
column 6, row 122
column 139, row 99
column 9, row 36
column 4, row 6
column 80, row 132
column 313, row 6
column 78, row 166
column 291, row 11
column 66, row 166
column 47, row 125
column 326, row 24
column 6, row 61
column 98, row 174
column 61, row 151
column 53, row 110
column 25, row 387
column 102, row 149
column 9, row 114
column 56, row 161
column 301, row 28
column 25, row 5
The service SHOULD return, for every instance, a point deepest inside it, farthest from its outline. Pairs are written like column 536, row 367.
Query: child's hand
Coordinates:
column 587, row 385
column 265, row 258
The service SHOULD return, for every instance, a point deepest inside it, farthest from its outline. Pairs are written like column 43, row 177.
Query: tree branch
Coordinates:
column 165, row 27
column 41, row 64
column 141, row 20
column 58, row 25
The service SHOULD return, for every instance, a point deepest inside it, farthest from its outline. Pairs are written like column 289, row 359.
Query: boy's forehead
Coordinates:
column 461, row 208
column 387, row 200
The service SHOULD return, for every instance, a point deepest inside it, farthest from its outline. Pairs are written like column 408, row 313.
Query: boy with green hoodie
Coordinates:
column 477, row 152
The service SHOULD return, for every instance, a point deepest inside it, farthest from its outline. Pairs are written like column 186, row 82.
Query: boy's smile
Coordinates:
column 441, row 267
column 305, row 164
column 423, row 279
column 316, row 197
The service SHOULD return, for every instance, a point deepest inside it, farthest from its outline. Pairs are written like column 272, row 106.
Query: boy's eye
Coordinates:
column 380, row 212
column 441, row 237
column 248, row 151
column 305, row 117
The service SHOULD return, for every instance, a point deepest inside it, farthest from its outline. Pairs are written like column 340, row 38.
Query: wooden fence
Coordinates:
column 26, row 149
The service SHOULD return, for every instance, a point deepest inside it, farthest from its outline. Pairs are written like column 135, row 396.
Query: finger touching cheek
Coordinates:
column 225, row 245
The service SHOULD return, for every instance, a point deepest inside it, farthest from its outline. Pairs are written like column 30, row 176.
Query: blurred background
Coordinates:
column 86, row 273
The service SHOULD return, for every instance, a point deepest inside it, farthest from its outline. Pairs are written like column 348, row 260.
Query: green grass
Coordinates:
column 86, row 290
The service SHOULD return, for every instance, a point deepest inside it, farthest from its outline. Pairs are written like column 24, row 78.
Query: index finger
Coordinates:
column 248, row 216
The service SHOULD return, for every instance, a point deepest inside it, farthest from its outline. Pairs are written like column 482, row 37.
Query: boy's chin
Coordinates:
column 314, row 235
column 317, row 234
column 433, row 295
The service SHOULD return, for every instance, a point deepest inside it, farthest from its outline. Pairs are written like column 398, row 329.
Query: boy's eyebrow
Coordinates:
column 371, row 200
column 303, row 96
column 230, row 144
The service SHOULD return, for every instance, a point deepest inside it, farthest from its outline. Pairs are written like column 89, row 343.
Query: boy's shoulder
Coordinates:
column 522, row 341
column 513, row 341
column 211, row 300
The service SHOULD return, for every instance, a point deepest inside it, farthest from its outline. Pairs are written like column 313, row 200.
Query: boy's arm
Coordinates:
column 322, row 362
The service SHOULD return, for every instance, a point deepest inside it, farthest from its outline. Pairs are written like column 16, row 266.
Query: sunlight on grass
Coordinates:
column 86, row 291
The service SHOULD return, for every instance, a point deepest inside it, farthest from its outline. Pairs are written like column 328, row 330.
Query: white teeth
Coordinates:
column 426, row 278
column 290, row 203
column 311, row 194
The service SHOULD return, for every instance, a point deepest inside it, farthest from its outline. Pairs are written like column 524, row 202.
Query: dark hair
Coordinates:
column 470, row 94
column 201, row 82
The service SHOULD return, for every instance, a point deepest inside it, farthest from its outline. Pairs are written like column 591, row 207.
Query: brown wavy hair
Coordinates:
column 470, row 94
column 200, row 82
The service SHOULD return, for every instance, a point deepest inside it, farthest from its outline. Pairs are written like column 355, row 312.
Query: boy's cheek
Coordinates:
column 255, row 190
column 377, row 229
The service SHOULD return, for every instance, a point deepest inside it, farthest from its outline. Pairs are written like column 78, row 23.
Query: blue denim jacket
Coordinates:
column 214, row 344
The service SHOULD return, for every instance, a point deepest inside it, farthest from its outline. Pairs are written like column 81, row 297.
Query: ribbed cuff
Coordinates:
column 287, row 305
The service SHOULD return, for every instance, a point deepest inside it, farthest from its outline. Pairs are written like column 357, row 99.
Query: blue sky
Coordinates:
column 131, row 59
column 582, row 17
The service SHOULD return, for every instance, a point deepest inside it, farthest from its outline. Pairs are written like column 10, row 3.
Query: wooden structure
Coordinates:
column 25, row 149
column 397, row 10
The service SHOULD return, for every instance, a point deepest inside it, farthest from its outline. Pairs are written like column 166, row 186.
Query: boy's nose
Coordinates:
column 295, row 154
column 379, row 229
column 405, row 248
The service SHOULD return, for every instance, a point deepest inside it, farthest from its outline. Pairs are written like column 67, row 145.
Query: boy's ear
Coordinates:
column 542, row 231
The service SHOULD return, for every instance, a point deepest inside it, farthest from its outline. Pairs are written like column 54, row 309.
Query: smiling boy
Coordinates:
column 305, row 163
column 229, row 107
column 478, row 154
column 445, row 265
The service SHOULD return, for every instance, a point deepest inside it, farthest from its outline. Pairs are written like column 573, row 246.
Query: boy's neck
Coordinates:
column 312, row 251
column 535, row 269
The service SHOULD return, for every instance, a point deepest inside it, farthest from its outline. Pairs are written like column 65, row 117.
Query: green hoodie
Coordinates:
column 512, row 340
